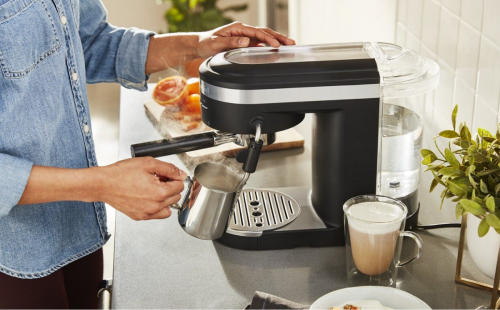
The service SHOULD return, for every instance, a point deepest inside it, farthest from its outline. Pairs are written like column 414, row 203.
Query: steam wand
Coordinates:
column 250, row 156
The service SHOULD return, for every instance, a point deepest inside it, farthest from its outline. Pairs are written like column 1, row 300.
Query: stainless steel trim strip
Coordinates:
column 299, row 94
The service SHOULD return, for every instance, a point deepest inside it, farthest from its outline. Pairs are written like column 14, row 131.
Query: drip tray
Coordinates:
column 258, row 210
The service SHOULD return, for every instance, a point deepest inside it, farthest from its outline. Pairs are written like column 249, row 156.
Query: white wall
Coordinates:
column 463, row 36
column 328, row 21
column 144, row 14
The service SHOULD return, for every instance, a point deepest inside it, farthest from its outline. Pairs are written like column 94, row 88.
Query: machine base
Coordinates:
column 280, row 240
column 307, row 230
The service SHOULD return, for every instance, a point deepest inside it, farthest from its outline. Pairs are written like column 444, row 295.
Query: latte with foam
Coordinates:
column 374, row 232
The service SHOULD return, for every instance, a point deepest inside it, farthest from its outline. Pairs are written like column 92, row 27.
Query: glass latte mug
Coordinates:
column 374, row 232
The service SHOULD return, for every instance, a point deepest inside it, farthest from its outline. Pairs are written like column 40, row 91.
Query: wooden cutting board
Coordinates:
column 286, row 139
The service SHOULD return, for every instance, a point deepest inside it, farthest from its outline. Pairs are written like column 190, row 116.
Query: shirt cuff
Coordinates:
column 15, row 174
column 131, row 59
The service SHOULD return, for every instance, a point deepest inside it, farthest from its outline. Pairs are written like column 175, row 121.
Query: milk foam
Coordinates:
column 375, row 217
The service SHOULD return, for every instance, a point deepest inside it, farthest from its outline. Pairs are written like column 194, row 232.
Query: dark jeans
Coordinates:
column 74, row 286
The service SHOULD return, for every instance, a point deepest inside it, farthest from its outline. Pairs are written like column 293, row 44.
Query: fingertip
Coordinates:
column 275, row 43
column 243, row 42
column 168, row 213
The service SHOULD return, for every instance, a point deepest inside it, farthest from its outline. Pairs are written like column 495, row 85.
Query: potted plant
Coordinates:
column 469, row 172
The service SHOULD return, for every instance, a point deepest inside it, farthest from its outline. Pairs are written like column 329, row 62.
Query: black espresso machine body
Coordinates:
column 276, row 89
column 367, row 101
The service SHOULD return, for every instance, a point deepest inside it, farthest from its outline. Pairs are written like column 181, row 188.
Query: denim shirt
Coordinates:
column 49, row 50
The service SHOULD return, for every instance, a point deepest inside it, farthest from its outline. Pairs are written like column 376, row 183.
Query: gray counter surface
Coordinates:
column 158, row 265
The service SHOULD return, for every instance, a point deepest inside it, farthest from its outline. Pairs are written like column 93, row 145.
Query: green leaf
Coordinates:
column 434, row 183
column 472, row 149
column 451, row 172
column 491, row 182
column 461, row 152
column 472, row 182
column 483, row 228
column 498, row 132
column 458, row 210
column 473, row 197
column 472, row 207
column 454, row 116
column 484, row 133
column 450, row 134
column 490, row 204
column 489, row 139
column 462, row 180
column 438, row 179
column 470, row 170
column 425, row 152
column 434, row 167
column 465, row 134
column 443, row 196
column 497, row 189
column 450, row 158
column 487, row 172
column 429, row 159
column 455, row 189
column 465, row 144
column 480, row 158
column 483, row 187
column 493, row 220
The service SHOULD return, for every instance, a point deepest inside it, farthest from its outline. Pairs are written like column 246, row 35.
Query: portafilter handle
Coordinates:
column 195, row 142
column 182, row 144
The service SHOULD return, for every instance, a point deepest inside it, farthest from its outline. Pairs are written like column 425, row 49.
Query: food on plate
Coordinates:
column 361, row 305
column 171, row 91
column 181, row 99
column 192, row 104
column 193, row 86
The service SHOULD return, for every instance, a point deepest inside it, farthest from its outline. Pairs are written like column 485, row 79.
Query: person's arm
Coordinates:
column 131, row 186
column 112, row 54
column 171, row 50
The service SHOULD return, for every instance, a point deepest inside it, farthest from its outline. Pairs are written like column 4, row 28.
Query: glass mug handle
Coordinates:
column 419, row 243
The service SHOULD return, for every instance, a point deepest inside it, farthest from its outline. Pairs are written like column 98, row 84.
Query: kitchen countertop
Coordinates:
column 158, row 265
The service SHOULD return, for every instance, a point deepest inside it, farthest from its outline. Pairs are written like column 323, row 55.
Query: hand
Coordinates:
column 141, row 188
column 174, row 49
column 237, row 35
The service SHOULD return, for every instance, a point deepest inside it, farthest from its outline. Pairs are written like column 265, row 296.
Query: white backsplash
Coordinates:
column 463, row 37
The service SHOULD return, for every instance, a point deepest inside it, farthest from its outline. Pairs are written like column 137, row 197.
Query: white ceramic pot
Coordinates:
column 484, row 250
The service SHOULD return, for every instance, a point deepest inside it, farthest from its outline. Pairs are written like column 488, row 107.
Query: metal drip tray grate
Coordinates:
column 258, row 210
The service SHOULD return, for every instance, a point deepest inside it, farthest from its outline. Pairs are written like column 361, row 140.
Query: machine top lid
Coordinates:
column 294, row 54
column 399, row 71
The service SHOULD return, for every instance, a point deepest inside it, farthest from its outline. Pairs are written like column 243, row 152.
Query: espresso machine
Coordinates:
column 367, row 102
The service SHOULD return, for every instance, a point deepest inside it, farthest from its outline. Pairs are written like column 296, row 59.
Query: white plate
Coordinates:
column 387, row 296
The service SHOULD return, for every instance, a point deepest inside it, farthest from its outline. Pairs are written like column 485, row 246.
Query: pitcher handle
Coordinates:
column 178, row 206
column 415, row 237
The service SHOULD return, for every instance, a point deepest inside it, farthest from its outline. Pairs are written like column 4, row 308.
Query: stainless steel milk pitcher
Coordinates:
column 210, row 196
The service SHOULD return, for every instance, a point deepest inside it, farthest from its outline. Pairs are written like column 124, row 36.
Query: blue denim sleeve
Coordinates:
column 15, row 172
column 112, row 54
